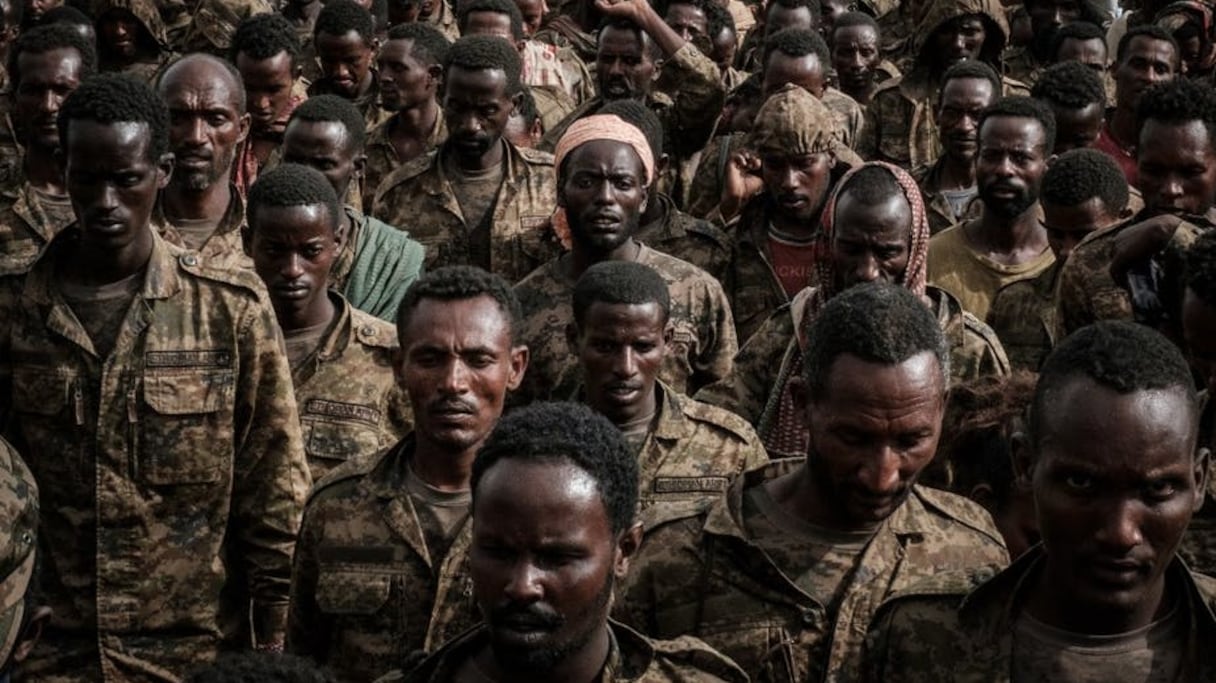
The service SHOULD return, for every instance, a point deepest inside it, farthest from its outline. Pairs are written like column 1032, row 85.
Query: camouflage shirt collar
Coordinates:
column 670, row 423
column 160, row 278
column 234, row 215
column 435, row 183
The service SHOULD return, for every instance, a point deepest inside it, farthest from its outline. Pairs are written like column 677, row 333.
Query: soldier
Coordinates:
column 200, row 209
column 213, row 25
column 376, row 262
column 22, row 618
column 554, row 530
column 1116, row 274
column 131, row 38
column 533, row 13
column 948, row 184
column 49, row 62
column 738, row 114
column 151, row 397
column 1085, row 42
column 873, row 229
column 808, row 548
column 410, row 65
column 604, row 167
column 1078, row 104
column 266, row 52
column 687, row 451
column 1147, row 55
column 801, row 57
column 382, row 568
column 856, row 56
column 778, row 15
column 723, row 39
column 344, row 38
column 1111, row 458
column 477, row 199
column 1026, row 62
column 1083, row 192
column 1007, row 242
column 340, row 357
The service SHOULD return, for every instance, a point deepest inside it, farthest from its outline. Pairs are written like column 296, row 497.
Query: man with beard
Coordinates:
column 381, row 569
column 478, row 199
column 810, row 547
column 857, row 57
column 344, row 39
column 48, row 63
column 554, row 530
column 200, row 209
column 968, row 88
column 1047, row 17
column 1147, row 55
column 1078, row 103
column 1007, row 243
column 1111, row 457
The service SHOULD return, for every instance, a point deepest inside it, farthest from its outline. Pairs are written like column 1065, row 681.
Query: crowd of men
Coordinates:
column 607, row 340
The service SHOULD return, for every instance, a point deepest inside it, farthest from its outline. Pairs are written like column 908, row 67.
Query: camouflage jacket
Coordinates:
column 848, row 115
column 1023, row 316
column 224, row 248
column 755, row 290
column 25, row 229
column 366, row 592
column 173, row 471
column 368, row 103
column 349, row 401
column 940, row 213
column 632, row 658
column 382, row 157
column 769, row 357
column 148, row 17
column 705, row 190
column 703, row 342
column 376, row 266
column 1021, row 64
column 559, row 67
column 703, row 576
column 948, row 629
column 418, row 198
column 213, row 24
column 696, row 241
column 563, row 31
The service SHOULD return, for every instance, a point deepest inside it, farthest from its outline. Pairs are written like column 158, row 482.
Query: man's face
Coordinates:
column 624, row 67
column 534, row 14
column 871, row 241
column 603, row 190
column 1012, row 160
column 405, row 82
column 46, row 80
column 1115, row 482
column 832, row 9
column 205, row 123
column 724, row 45
column 268, row 85
column 958, row 115
column 476, row 107
column 1176, row 167
column 1146, row 62
column 404, row 11
column 1067, row 225
column 1091, row 53
column 325, row 146
column 1078, row 128
column 112, row 182
column 798, row 183
column 119, row 34
column 293, row 249
column 621, row 348
column 1047, row 16
column 780, row 17
column 457, row 364
column 872, row 431
column 544, row 560
column 345, row 61
column 959, row 39
column 489, row 23
column 1199, row 335
column 34, row 9
column 855, row 56
column 688, row 21
column 807, row 72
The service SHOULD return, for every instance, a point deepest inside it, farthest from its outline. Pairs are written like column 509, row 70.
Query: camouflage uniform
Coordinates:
column 224, row 248
column 948, row 629
column 1023, row 316
column 848, row 116
column 247, row 166
column 376, row 266
column 632, row 658
column 382, row 157
column 698, row 242
column 766, row 361
column 705, row 576
column 366, row 591
column 418, row 198
column 349, row 401
column 564, row 31
column 558, row 67
column 148, row 15
column 940, row 213
column 703, row 338
column 368, row 103
column 25, row 228
column 173, row 470
column 705, row 190
column 1021, row 64
column 213, row 24
column 553, row 105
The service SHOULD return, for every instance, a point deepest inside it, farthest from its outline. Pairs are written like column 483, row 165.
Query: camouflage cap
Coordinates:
column 18, row 538
column 793, row 121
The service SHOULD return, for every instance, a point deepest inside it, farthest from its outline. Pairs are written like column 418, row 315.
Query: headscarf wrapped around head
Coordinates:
column 793, row 121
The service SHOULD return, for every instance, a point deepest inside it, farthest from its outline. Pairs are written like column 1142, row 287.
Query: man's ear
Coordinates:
column 517, row 99
column 243, row 124
column 660, row 165
column 1023, row 458
column 360, row 164
column 519, row 365
column 669, row 335
column 1203, row 465
column 627, row 545
column 164, row 170
column 33, row 631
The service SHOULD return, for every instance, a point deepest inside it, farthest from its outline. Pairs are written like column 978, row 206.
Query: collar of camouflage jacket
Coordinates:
column 160, row 277
column 939, row 12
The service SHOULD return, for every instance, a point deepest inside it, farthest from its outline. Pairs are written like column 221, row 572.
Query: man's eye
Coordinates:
column 1079, row 482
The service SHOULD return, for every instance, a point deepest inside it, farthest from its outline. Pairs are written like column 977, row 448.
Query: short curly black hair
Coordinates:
column 332, row 108
column 507, row 7
column 1079, row 175
column 973, row 68
column 750, row 90
column 263, row 36
column 1199, row 271
column 641, row 117
column 1069, row 85
column 872, row 185
column 476, row 53
column 65, row 14
column 457, row 283
column 288, row 185
column 815, row 7
column 260, row 667
column 1077, row 30
column 573, row 433
column 1024, row 108
column 117, row 98
column 1122, row 356
column 620, row 282
column 718, row 19
column 851, row 19
column 1151, row 31
column 339, row 17
column 1178, row 102
column 797, row 42
column 428, row 44
column 877, row 322
column 48, row 38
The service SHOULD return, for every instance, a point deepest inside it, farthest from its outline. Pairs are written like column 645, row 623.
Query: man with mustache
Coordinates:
column 477, row 199
column 1007, row 242
column 1147, row 55
column 808, row 548
column 1111, row 458
column 200, row 209
column 554, row 530
column 344, row 39
column 857, row 58
column 381, row 570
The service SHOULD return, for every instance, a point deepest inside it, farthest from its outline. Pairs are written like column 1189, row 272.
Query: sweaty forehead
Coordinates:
column 598, row 155
column 199, row 81
column 542, row 495
column 1012, row 131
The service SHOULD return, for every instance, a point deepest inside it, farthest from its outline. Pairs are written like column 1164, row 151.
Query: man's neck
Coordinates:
column 492, row 158
column 42, row 171
column 794, row 227
column 319, row 312
column 1059, row 607
column 956, row 174
column 416, row 122
column 1123, row 127
column 798, row 494
column 582, row 258
column 90, row 266
column 440, row 467
column 212, row 202
column 582, row 666
column 1001, row 236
